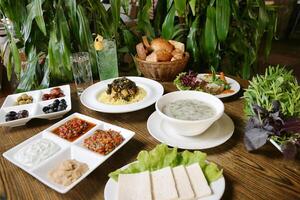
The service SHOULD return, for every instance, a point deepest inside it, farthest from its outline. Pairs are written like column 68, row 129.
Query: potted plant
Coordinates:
column 222, row 33
column 49, row 31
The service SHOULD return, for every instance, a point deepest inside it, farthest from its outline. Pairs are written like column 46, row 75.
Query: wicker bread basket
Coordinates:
column 162, row 71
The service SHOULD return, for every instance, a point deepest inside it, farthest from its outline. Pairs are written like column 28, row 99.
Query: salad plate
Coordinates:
column 90, row 96
column 65, row 150
column 203, row 82
column 217, row 134
column 35, row 107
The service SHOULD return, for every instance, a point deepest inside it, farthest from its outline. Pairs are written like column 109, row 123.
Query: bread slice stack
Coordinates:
column 178, row 183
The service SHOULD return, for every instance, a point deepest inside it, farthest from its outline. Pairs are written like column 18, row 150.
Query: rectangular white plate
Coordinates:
column 69, row 150
column 35, row 108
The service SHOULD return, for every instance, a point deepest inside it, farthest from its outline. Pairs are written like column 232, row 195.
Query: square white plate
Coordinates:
column 68, row 150
column 35, row 108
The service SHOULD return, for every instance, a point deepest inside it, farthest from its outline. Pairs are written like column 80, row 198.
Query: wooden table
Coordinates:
column 263, row 174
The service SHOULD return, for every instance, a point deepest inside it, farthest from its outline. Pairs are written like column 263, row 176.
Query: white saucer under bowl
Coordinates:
column 214, row 136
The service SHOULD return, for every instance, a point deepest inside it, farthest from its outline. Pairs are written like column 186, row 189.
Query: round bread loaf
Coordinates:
column 160, row 43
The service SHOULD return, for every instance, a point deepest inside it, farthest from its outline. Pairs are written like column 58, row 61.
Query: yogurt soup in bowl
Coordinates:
column 189, row 113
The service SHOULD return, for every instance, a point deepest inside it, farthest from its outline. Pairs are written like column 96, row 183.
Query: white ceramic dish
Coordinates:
column 185, row 127
column 218, row 188
column 235, row 86
column 89, row 96
column 69, row 150
column 35, row 108
column 276, row 145
column 216, row 135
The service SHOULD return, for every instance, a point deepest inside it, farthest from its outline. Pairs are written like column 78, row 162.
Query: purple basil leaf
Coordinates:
column 275, row 106
column 259, row 110
column 255, row 138
column 292, row 125
column 269, row 127
column 289, row 150
column 253, row 122
column 276, row 117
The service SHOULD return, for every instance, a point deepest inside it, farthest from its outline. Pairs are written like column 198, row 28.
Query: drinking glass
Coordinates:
column 82, row 71
column 107, row 60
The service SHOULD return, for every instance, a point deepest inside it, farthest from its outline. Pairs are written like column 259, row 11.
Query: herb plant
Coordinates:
column 272, row 101
column 276, row 84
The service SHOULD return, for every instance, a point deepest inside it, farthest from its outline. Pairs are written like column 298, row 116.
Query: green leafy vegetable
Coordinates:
column 162, row 156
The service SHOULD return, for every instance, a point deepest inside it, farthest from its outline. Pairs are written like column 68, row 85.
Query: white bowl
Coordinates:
column 187, row 127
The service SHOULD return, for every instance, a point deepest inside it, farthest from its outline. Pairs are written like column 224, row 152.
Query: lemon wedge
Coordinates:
column 98, row 43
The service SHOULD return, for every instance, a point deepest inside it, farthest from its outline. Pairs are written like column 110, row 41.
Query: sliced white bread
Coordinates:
column 163, row 185
column 198, row 181
column 134, row 186
column 183, row 185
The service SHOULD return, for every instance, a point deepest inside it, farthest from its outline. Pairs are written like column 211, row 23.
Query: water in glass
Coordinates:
column 82, row 71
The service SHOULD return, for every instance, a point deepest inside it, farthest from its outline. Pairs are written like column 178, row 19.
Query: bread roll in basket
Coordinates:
column 163, row 60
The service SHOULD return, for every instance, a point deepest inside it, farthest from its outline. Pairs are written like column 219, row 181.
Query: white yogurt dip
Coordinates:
column 34, row 153
column 189, row 109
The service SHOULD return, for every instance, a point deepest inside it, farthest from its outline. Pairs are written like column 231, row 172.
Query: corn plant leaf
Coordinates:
column 179, row 32
column 180, row 6
column 28, row 80
column 53, row 50
column 8, row 8
column 115, row 10
column 143, row 23
column 39, row 15
column 192, row 45
column 168, row 25
column 271, row 29
column 125, row 6
column 169, row 4
column 14, row 53
column 28, row 23
column 64, row 38
column 45, row 83
column 222, row 18
column 192, row 4
column 159, row 16
column 212, row 2
column 130, row 41
column 85, row 37
column 9, row 67
column 34, row 10
column 72, row 16
column 210, row 40
column 246, row 67
column 103, row 23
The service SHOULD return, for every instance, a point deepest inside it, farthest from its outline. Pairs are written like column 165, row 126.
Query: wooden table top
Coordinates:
column 264, row 174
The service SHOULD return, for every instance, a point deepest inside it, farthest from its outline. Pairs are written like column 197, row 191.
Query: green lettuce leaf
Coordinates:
column 162, row 156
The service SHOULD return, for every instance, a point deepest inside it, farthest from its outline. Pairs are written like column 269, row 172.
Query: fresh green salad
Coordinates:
column 162, row 156
column 210, row 83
